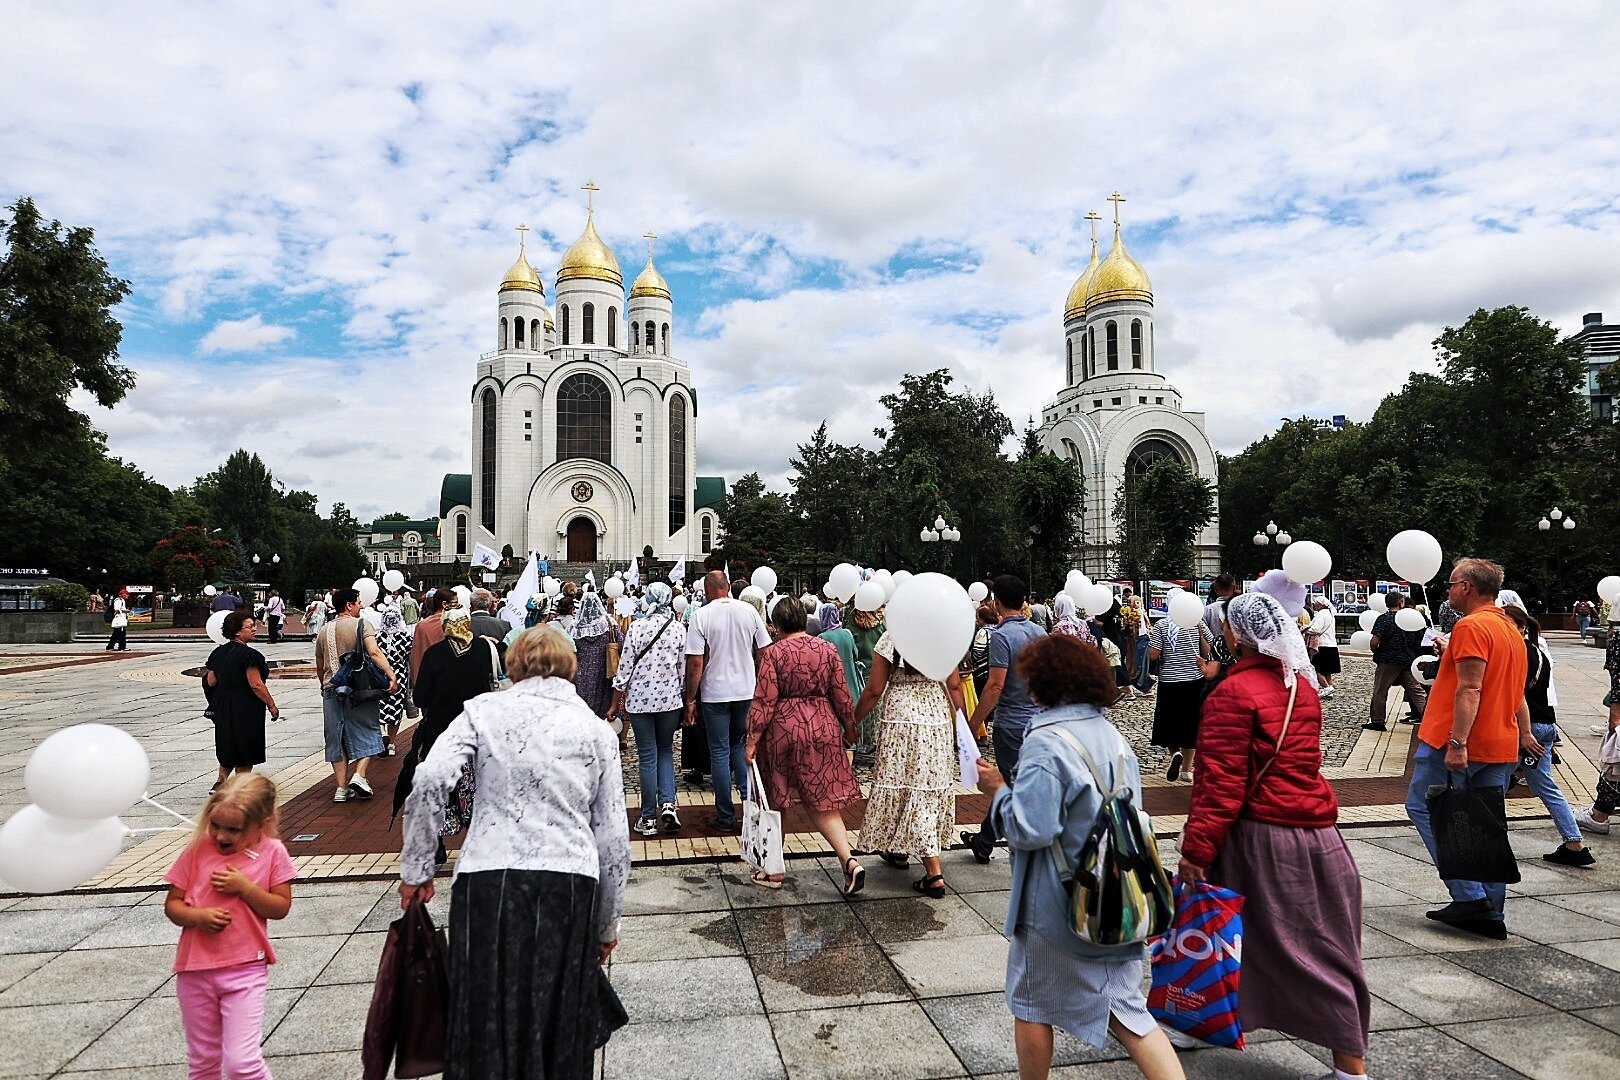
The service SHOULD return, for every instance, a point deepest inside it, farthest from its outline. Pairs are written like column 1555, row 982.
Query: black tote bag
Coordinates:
column 411, row 1001
column 1470, row 834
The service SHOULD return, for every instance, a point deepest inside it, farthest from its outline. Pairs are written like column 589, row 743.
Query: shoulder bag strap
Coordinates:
column 1062, row 860
column 1293, row 692
column 636, row 659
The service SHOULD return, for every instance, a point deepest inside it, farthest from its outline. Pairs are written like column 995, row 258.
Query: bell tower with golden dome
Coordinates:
column 584, row 432
column 1117, row 412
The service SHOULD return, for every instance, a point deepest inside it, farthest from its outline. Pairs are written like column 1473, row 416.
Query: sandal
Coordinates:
column 766, row 881
column 854, row 880
column 897, row 859
column 931, row 886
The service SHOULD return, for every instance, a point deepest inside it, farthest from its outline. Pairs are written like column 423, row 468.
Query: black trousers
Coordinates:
column 119, row 639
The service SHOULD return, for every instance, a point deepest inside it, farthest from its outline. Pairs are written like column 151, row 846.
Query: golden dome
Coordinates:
column 650, row 283
column 1118, row 277
column 1075, row 305
column 522, row 276
column 589, row 257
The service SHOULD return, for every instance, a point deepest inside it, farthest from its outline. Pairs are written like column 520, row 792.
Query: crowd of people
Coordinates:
column 785, row 691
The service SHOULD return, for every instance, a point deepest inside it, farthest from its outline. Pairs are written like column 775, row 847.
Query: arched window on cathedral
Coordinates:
column 534, row 334
column 677, row 464
column 1091, row 337
column 503, row 331
column 1113, row 345
column 635, row 336
column 1085, row 358
column 708, row 533
column 613, row 328
column 584, row 419
column 1069, row 345
column 666, row 339
column 461, row 534
column 587, row 324
column 517, row 332
column 652, row 336
column 1136, row 343
column 486, row 463
column 562, row 322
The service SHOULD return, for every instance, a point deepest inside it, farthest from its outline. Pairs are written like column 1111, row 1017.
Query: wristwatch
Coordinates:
column 1454, row 744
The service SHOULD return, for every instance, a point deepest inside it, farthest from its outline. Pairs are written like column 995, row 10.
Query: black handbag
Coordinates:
column 1470, row 834
column 357, row 678
column 410, row 1005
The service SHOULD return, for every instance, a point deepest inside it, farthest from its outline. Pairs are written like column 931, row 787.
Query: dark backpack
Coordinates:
column 107, row 614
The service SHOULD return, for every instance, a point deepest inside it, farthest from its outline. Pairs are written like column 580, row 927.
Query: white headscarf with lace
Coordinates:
column 1259, row 621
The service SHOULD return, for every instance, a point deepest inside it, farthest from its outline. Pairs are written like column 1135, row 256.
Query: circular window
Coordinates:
column 583, row 491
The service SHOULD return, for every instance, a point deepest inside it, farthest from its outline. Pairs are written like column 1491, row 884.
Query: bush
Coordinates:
column 64, row 597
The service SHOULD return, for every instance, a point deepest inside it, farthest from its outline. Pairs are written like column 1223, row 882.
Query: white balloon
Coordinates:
column 1361, row 640
column 614, row 588
column 393, row 580
column 461, row 591
column 1185, row 609
column 367, row 588
column 827, row 590
column 1075, row 583
column 209, row 590
column 1366, row 619
column 1097, row 599
column 844, row 580
column 1424, row 669
column 1414, row 555
column 678, row 604
column 216, row 627
column 765, row 579
column 885, row 579
column 978, row 591
column 44, row 853
column 1379, row 602
column 1608, row 589
column 1410, row 619
column 550, row 585
column 870, row 596
column 87, row 771
column 753, row 591
column 1306, row 562
column 931, row 622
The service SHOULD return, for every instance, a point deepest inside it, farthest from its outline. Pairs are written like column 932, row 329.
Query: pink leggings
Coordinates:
column 223, row 1013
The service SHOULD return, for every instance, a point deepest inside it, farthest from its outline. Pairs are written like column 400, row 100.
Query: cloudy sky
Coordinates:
column 314, row 203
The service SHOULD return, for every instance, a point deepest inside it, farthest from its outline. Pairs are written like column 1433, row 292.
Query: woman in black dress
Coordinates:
column 239, row 697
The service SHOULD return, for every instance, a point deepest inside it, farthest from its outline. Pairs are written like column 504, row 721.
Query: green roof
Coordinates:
column 711, row 492
column 456, row 490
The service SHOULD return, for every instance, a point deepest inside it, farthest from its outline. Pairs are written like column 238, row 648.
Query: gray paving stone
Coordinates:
column 806, row 883
column 340, row 1066
column 355, row 961
column 69, row 901
column 152, row 1034
column 1547, row 974
column 1546, row 923
column 915, row 918
column 952, row 966
column 699, row 989
column 1439, row 992
column 1376, row 943
column 1598, row 905
column 670, row 894
column 1279, row 1060
column 312, row 916
column 992, row 906
column 964, row 875
column 324, row 1019
column 1408, row 924
column 1552, row 1047
column 672, row 1051
column 143, row 924
column 1606, row 953
column 882, row 880
column 40, row 1039
column 102, row 975
column 677, row 937
column 1386, row 1017
column 827, row 977
column 897, row 1038
column 50, row 930
column 14, row 966
column 979, row 1030
column 1607, row 1018
column 800, row 930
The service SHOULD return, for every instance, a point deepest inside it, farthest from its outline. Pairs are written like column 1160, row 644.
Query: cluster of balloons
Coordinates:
column 1091, row 597
column 80, row 779
column 869, row 590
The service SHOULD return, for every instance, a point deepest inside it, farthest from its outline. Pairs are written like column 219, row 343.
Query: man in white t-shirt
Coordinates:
column 722, row 646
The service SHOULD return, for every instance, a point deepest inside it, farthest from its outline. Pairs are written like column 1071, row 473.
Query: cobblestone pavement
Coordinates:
column 721, row 978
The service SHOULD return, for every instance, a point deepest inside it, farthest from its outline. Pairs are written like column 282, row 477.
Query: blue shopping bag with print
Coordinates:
column 1197, row 965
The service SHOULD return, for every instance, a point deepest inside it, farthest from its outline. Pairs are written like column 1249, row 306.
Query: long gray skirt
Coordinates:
column 1048, row 984
column 1301, row 933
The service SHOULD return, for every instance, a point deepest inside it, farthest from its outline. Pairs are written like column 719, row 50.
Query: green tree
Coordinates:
column 241, row 497
column 833, row 486
column 57, row 333
column 330, row 562
column 189, row 556
column 1157, row 517
column 760, row 526
column 1050, row 495
column 395, row 516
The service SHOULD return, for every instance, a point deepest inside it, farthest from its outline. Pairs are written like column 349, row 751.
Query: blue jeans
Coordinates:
column 1585, row 623
column 726, row 723
column 1429, row 770
column 1144, row 681
column 1009, row 743
column 1546, row 787
column 655, row 752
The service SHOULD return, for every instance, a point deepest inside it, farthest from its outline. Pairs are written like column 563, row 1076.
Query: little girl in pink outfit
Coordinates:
column 233, row 877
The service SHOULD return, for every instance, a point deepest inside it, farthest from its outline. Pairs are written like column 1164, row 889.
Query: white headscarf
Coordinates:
column 1259, row 621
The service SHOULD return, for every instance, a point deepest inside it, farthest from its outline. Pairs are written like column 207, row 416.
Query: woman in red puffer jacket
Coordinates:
column 1263, row 823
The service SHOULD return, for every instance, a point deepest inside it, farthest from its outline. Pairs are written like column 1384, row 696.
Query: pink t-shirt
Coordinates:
column 247, row 938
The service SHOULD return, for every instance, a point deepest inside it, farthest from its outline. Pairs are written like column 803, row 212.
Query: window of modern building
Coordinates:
column 461, row 534
column 584, row 419
column 1136, row 343
column 613, row 328
column 562, row 322
column 677, row 464
column 708, row 533
column 587, row 324
column 1113, row 346
column 486, row 464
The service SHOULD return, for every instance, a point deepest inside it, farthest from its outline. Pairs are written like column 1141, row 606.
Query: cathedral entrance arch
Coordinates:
column 582, row 540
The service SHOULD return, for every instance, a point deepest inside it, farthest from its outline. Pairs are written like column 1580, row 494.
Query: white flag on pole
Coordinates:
column 632, row 574
column 590, row 578
column 486, row 557
column 516, row 611
column 677, row 573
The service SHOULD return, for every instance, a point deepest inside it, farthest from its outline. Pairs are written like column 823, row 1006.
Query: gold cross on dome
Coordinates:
column 1116, row 198
column 590, row 189
column 1093, row 217
column 523, row 236
column 650, row 237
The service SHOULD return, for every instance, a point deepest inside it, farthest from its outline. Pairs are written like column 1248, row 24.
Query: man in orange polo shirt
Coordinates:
column 1477, row 722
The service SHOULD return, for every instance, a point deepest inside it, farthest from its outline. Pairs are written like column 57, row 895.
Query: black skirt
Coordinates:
column 528, row 999
column 1326, row 661
column 1175, row 714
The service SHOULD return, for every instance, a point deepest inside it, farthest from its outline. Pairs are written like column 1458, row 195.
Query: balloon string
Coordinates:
column 166, row 810
column 160, row 828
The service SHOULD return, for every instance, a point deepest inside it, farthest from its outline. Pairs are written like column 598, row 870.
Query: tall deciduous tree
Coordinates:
column 1050, row 496
column 1157, row 517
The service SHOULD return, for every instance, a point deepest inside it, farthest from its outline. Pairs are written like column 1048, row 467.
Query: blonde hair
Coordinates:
column 540, row 652
column 1484, row 575
column 252, row 793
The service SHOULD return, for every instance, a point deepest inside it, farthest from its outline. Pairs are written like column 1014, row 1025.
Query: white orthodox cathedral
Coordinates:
column 1116, row 414
column 584, row 422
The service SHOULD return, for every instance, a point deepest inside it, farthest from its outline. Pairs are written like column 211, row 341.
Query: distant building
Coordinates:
column 1601, row 344
column 390, row 544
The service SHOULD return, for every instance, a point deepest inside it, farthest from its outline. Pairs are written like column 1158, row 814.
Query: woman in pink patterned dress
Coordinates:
column 799, row 724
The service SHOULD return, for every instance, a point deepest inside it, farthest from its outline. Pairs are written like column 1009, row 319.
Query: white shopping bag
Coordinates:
column 967, row 753
column 761, row 829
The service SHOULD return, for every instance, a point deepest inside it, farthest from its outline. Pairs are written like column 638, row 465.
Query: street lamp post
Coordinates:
column 1034, row 532
column 1272, row 535
column 940, row 532
column 1554, row 524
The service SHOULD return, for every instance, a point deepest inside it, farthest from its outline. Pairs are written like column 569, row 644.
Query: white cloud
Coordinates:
column 251, row 334
column 1315, row 193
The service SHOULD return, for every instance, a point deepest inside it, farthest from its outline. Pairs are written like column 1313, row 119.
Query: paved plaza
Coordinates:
column 723, row 978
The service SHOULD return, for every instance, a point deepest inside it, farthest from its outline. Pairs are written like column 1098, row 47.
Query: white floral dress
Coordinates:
column 912, row 807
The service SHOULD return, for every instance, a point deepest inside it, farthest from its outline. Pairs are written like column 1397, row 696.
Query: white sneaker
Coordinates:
column 1326, row 694
column 668, row 818
column 340, row 795
column 1590, row 824
column 359, row 788
column 646, row 826
column 1600, row 730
